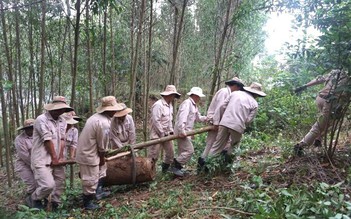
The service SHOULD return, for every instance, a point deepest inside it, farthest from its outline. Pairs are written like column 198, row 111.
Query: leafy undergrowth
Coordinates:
column 260, row 184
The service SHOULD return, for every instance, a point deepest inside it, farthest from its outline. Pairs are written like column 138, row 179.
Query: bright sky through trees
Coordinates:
column 278, row 30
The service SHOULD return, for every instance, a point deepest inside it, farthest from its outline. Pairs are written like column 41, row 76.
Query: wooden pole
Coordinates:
column 125, row 150
column 63, row 163
column 121, row 152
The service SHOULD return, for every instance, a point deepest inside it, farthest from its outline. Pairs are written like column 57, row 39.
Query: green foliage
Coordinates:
column 97, row 5
column 26, row 212
column 248, row 22
column 283, row 112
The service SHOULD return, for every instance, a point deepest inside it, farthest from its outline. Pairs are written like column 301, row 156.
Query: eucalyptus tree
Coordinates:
column 136, row 56
column 231, row 36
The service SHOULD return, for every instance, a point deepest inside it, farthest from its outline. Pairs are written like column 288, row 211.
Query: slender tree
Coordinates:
column 177, row 35
column 147, row 74
column 136, row 56
column 5, row 127
column 90, row 73
column 19, row 64
column 42, row 58
column 216, row 74
column 75, row 59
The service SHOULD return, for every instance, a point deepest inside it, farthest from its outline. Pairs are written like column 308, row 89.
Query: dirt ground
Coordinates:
column 294, row 171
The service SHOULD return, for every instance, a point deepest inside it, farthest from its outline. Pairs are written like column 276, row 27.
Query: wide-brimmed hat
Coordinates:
column 108, row 103
column 69, row 118
column 170, row 89
column 124, row 111
column 255, row 88
column 235, row 81
column 28, row 123
column 74, row 116
column 58, row 102
column 196, row 91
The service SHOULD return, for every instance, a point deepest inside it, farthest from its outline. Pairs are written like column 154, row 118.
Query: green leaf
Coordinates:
column 286, row 193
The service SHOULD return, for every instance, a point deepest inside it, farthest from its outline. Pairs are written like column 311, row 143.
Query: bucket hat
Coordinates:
column 69, row 119
column 58, row 102
column 255, row 88
column 196, row 91
column 28, row 123
column 170, row 89
column 108, row 103
column 235, row 81
column 124, row 111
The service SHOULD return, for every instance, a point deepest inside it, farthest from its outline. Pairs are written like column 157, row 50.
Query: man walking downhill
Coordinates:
column 234, row 84
column 48, row 147
column 23, row 144
column 237, row 111
column 92, row 145
column 188, row 113
column 162, row 126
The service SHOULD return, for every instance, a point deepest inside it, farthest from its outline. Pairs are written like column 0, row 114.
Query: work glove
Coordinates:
column 300, row 89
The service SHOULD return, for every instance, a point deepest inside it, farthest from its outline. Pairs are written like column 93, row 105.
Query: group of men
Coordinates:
column 51, row 138
column 231, row 110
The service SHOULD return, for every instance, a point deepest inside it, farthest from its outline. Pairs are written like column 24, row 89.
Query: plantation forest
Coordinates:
column 133, row 49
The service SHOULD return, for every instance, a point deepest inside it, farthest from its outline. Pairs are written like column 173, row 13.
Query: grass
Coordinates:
column 261, row 183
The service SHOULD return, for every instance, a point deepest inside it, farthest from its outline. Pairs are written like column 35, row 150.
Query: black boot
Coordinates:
column 54, row 206
column 227, row 158
column 200, row 164
column 165, row 167
column 317, row 143
column 88, row 202
column 100, row 192
column 177, row 168
column 177, row 164
column 298, row 150
column 38, row 204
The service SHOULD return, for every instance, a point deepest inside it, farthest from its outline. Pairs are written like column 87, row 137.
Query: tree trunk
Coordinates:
column 112, row 69
column 147, row 76
column 136, row 57
column 75, row 58
column 5, row 125
column 63, row 51
column 217, row 71
column 104, row 44
column 42, row 59
column 132, row 89
column 10, row 67
column 19, row 70
column 31, row 66
column 120, row 171
column 90, row 74
column 176, row 41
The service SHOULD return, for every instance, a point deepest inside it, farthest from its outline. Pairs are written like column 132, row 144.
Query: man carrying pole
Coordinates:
column 92, row 144
column 48, row 148
column 161, row 126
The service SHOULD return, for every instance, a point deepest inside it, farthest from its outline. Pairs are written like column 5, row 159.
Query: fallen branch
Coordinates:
column 225, row 208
